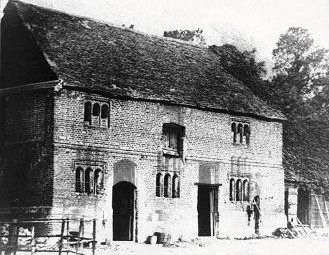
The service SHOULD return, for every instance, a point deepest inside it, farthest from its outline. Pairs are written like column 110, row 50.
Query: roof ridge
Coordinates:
column 111, row 24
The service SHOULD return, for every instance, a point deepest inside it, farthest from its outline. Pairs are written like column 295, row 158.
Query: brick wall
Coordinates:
column 134, row 136
column 26, row 153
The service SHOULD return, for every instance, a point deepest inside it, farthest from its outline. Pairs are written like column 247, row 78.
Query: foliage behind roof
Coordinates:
column 124, row 63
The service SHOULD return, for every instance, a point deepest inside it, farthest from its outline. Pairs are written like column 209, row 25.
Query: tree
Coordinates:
column 194, row 36
column 299, row 67
column 244, row 67
column 300, row 89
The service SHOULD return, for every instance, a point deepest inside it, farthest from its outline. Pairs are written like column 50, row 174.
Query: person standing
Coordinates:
column 257, row 214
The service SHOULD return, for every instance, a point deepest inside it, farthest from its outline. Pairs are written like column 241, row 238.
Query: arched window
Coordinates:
column 245, row 190
column 88, row 181
column 105, row 111
column 175, row 186
column 98, row 181
column 240, row 132
column 96, row 114
column 238, row 190
column 158, row 188
column 246, row 133
column 232, row 189
column 105, row 115
column 79, row 180
column 234, row 131
column 87, row 113
column 96, row 109
column 167, row 186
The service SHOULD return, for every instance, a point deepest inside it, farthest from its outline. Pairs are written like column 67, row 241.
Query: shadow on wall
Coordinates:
column 208, row 174
column 124, row 170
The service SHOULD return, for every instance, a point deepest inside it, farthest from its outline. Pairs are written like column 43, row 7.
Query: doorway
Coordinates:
column 207, row 209
column 123, row 204
column 303, row 205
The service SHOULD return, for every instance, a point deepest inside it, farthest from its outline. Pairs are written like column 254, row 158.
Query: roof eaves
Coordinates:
column 169, row 102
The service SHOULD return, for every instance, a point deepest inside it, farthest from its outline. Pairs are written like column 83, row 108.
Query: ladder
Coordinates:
column 324, row 223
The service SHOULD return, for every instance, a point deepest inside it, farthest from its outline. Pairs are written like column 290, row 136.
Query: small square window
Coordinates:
column 173, row 139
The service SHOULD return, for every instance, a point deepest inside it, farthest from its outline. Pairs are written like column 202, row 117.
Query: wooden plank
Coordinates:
column 33, row 245
column 324, row 223
column 301, row 224
column 327, row 211
column 61, row 239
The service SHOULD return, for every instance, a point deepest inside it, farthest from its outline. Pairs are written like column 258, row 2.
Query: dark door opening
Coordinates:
column 207, row 210
column 123, row 211
column 303, row 205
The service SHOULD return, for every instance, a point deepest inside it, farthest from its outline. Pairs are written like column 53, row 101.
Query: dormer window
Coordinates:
column 172, row 135
column 240, row 132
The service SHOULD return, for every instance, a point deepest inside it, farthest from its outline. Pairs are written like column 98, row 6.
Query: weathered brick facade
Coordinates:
column 134, row 137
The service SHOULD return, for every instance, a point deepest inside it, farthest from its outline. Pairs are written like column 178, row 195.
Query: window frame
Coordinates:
column 236, row 188
column 94, row 120
column 241, row 132
column 173, row 132
column 97, row 170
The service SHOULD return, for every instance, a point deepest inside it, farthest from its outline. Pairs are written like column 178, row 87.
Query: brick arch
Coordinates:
column 124, row 170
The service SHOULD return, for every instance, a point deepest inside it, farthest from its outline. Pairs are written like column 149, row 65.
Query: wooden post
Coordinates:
column 79, row 235
column 67, row 228
column 12, row 244
column 94, row 236
column 301, row 224
column 61, row 238
column 16, row 233
column 33, row 245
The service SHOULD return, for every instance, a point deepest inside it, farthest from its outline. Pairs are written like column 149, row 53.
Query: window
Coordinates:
column 246, row 133
column 241, row 133
column 232, row 189
column 245, row 190
column 98, row 181
column 173, row 139
column 159, row 184
column 233, row 128
column 104, row 115
column 88, row 180
column 238, row 190
column 79, row 180
column 167, row 186
column 175, row 186
column 87, row 114
column 96, row 114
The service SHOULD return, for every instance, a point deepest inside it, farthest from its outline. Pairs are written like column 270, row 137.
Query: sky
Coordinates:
column 245, row 23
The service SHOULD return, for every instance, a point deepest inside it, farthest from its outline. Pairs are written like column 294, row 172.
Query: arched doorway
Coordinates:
column 123, row 204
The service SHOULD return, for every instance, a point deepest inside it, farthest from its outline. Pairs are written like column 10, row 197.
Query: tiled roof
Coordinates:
column 94, row 55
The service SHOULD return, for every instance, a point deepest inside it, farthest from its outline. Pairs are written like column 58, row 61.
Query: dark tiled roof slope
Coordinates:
column 306, row 150
column 124, row 63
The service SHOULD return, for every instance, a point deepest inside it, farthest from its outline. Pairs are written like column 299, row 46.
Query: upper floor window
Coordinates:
column 173, row 138
column 96, row 114
column 240, row 132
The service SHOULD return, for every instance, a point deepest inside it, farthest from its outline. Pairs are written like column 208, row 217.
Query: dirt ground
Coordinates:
column 268, row 246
